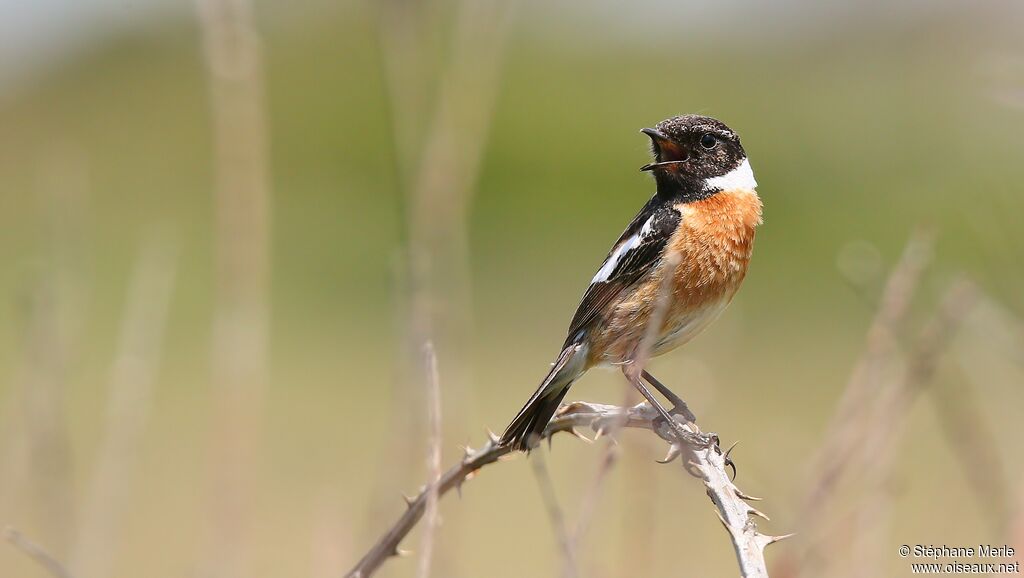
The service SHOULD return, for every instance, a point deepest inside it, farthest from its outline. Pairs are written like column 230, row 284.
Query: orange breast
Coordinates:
column 713, row 244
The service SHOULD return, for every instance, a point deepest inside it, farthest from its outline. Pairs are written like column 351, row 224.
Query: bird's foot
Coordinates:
column 679, row 406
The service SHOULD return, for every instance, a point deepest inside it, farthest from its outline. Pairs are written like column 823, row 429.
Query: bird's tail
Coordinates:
column 529, row 424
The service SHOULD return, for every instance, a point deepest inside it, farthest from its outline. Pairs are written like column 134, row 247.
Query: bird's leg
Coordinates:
column 694, row 439
column 679, row 406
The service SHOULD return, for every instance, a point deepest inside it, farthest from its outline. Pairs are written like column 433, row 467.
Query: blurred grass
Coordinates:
column 858, row 135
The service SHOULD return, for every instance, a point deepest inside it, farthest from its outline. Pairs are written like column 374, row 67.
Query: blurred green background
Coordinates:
column 863, row 122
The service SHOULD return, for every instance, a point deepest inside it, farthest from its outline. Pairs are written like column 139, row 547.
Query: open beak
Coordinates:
column 666, row 151
column 656, row 135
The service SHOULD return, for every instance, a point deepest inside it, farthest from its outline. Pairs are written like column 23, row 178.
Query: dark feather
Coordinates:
column 631, row 266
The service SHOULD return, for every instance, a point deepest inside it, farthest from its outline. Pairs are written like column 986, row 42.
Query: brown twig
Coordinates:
column 708, row 462
column 36, row 552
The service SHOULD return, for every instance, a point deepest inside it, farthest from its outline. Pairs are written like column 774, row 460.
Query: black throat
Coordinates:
column 681, row 188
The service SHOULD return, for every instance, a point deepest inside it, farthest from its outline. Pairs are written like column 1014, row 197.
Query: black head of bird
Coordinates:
column 697, row 156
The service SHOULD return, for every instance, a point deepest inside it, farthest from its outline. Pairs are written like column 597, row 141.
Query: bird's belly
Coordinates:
column 686, row 326
column 687, row 313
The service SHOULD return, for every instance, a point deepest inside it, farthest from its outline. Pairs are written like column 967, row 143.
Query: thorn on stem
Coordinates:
column 743, row 496
column 576, row 433
column 758, row 513
column 674, row 451
column 732, row 465
column 774, row 539
column 729, row 451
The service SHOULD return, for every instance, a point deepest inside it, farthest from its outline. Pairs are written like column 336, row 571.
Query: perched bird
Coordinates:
column 697, row 229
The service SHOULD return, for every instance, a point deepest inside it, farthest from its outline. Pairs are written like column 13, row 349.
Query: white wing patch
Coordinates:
column 626, row 246
column 741, row 177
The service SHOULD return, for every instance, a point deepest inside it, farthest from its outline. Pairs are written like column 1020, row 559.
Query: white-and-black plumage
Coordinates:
column 695, row 158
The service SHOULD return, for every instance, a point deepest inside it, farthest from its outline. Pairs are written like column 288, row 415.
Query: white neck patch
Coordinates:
column 741, row 177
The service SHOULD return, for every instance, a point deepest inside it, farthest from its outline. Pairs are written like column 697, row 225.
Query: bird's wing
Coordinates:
column 636, row 253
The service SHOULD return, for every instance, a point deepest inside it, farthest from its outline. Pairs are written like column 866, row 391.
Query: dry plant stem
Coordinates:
column 132, row 379
column 969, row 434
column 438, row 182
column 443, row 182
column 840, row 452
column 49, row 472
column 589, row 506
column 438, row 157
column 736, row 514
column 52, row 566
column 566, row 543
column 242, row 261
column 56, row 308
column 880, row 442
column 433, row 460
column 861, row 389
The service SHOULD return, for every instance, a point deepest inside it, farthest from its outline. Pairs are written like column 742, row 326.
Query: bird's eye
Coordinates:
column 708, row 141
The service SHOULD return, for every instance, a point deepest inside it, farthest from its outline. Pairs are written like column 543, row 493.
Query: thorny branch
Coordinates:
column 707, row 462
